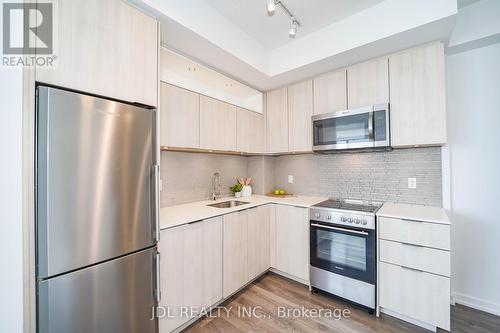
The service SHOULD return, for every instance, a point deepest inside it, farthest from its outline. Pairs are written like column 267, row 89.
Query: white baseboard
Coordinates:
column 476, row 303
column 408, row 319
column 289, row 276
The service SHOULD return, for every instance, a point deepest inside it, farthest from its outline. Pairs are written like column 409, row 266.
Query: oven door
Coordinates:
column 343, row 251
column 366, row 127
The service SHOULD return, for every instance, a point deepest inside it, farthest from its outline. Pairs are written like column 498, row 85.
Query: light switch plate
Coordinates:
column 412, row 182
column 290, row 179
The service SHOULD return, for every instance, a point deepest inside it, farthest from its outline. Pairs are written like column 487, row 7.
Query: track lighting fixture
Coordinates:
column 294, row 23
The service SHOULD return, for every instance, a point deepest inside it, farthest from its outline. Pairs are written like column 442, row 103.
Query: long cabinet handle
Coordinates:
column 410, row 244
column 158, row 281
column 157, row 202
column 340, row 229
column 412, row 269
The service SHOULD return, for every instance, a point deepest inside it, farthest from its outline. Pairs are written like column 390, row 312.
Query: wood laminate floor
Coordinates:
column 277, row 301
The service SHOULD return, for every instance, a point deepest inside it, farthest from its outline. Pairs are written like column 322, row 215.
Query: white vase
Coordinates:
column 246, row 191
column 237, row 194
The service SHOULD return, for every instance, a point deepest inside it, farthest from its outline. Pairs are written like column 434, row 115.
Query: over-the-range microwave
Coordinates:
column 365, row 128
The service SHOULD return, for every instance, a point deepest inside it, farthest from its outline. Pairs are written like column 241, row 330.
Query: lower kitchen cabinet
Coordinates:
column 292, row 241
column 415, row 294
column 414, row 270
column 191, row 269
column 235, row 251
column 258, row 240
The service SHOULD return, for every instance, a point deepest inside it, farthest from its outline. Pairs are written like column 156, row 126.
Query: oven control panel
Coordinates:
column 353, row 219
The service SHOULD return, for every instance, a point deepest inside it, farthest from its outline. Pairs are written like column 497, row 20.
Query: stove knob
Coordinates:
column 349, row 220
column 364, row 222
column 342, row 219
column 328, row 217
column 356, row 221
column 316, row 215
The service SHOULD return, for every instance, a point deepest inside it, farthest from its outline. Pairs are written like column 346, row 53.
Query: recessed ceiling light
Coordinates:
column 191, row 68
column 229, row 84
column 271, row 6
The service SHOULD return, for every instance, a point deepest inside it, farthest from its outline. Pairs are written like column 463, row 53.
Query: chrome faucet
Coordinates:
column 216, row 181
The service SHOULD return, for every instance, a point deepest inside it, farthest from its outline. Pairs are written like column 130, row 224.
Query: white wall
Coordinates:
column 473, row 97
column 11, row 277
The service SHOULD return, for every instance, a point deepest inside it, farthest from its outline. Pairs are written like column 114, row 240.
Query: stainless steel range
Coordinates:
column 342, row 257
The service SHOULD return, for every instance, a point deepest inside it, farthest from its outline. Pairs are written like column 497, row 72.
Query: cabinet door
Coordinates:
column 235, row 252
column 330, row 92
column 292, row 241
column 191, row 269
column 217, row 124
column 180, row 117
column 418, row 109
column 415, row 294
column 368, row 83
column 107, row 48
column 211, row 261
column 251, row 137
column 277, row 120
column 172, row 276
column 300, row 107
column 258, row 241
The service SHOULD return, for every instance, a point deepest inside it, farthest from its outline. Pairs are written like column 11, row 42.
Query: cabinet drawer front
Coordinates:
column 419, row 295
column 415, row 256
column 415, row 232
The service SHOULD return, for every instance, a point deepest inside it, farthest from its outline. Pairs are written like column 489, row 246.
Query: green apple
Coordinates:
column 276, row 192
column 282, row 192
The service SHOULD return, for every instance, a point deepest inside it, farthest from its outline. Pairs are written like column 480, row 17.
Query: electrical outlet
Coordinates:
column 290, row 179
column 412, row 182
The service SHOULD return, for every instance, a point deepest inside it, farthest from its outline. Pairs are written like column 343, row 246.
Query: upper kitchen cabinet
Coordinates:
column 107, row 48
column 300, row 109
column 277, row 120
column 418, row 109
column 330, row 92
column 251, row 136
column 180, row 117
column 217, row 124
column 368, row 83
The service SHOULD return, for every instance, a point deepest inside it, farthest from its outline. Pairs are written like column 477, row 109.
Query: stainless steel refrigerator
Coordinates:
column 96, row 214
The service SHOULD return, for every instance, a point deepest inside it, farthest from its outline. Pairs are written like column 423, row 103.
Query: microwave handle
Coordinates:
column 370, row 126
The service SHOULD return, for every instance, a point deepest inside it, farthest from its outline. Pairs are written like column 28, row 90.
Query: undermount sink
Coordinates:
column 228, row 204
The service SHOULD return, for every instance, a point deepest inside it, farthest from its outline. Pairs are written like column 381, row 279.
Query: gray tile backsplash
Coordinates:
column 381, row 176
column 187, row 177
column 378, row 176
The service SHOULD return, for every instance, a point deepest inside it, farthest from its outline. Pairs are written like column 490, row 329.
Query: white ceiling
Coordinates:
column 238, row 39
column 272, row 31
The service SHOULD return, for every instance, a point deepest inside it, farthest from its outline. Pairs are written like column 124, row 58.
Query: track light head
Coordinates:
column 293, row 28
column 271, row 7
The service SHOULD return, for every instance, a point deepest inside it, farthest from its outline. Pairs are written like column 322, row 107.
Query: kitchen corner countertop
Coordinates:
column 172, row 216
column 414, row 212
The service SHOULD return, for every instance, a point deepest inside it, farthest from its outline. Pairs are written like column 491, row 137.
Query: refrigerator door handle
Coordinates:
column 158, row 283
column 157, row 202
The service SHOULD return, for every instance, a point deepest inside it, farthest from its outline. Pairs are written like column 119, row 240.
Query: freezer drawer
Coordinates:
column 95, row 181
column 115, row 296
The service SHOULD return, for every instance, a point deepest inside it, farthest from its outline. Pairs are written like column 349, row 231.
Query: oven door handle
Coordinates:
column 340, row 229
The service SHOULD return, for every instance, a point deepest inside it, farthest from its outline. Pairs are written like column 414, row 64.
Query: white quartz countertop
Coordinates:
column 172, row 216
column 414, row 212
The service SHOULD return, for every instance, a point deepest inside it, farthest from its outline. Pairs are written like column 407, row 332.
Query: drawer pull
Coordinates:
column 408, row 220
column 412, row 269
column 410, row 244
